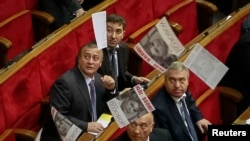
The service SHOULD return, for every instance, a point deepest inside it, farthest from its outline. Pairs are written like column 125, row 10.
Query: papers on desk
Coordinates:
column 65, row 128
column 104, row 119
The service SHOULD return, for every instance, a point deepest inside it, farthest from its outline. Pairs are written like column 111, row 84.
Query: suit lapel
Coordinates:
column 106, row 62
column 175, row 112
column 121, row 60
column 83, row 87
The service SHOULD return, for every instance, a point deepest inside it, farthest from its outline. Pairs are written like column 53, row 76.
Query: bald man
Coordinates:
column 143, row 129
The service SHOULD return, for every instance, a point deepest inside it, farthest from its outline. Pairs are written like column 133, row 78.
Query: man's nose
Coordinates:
column 177, row 83
column 137, row 129
column 113, row 34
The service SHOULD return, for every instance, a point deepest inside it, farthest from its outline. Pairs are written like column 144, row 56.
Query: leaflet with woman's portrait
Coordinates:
column 160, row 46
column 131, row 104
column 66, row 129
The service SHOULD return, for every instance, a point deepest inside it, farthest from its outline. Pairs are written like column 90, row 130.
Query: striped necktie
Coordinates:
column 186, row 117
column 93, row 99
column 114, row 66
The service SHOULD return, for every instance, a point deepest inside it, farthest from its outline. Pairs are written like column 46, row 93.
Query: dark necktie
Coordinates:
column 186, row 116
column 114, row 65
column 93, row 99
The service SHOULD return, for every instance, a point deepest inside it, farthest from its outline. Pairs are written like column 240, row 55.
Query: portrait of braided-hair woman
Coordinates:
column 157, row 48
column 131, row 105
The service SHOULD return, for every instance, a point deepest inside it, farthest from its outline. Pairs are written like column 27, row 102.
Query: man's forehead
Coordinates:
column 91, row 51
column 114, row 25
column 141, row 120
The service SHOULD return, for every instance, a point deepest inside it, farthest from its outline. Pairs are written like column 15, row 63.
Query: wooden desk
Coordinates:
column 86, row 137
column 241, row 120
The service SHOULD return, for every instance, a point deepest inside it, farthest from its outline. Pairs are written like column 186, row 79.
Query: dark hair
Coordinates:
column 114, row 18
column 89, row 45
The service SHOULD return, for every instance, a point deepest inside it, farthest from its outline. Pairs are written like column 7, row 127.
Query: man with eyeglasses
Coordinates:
column 142, row 129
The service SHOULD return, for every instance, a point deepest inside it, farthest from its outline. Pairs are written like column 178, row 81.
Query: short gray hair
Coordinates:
column 178, row 66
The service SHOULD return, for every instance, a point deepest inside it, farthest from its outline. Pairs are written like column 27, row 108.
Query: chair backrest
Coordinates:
column 22, row 37
column 14, row 30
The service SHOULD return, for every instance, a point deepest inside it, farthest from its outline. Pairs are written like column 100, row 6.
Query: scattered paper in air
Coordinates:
column 100, row 29
column 160, row 46
column 205, row 65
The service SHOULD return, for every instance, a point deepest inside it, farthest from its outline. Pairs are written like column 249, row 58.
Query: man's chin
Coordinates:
column 136, row 139
column 112, row 44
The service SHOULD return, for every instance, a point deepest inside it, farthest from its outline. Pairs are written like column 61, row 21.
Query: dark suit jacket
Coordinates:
column 87, row 4
column 238, row 75
column 124, row 78
column 167, row 115
column 157, row 134
column 61, row 10
column 70, row 96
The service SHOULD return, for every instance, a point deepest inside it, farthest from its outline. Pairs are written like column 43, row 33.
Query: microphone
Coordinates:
column 146, row 85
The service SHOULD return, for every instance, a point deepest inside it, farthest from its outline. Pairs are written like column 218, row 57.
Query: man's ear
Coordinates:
column 152, row 126
column 123, row 34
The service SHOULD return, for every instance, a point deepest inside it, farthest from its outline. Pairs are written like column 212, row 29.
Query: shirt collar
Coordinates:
column 87, row 79
column 177, row 100
column 109, row 48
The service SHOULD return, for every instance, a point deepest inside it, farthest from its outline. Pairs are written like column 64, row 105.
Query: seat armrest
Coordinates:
column 42, row 24
column 5, row 44
column 177, row 7
column 18, row 134
column 44, row 17
column 24, row 134
column 230, row 93
column 205, row 14
column 229, row 103
column 177, row 28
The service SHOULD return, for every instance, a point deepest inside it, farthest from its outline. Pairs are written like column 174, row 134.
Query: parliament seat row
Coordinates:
column 218, row 105
column 28, row 80
column 41, row 21
column 22, row 30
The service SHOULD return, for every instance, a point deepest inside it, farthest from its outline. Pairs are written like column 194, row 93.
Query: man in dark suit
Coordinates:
column 171, row 102
column 62, row 10
column 143, row 129
column 238, row 62
column 71, row 94
column 115, row 32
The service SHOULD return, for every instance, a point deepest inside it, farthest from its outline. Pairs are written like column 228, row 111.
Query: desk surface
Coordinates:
column 86, row 137
column 241, row 120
